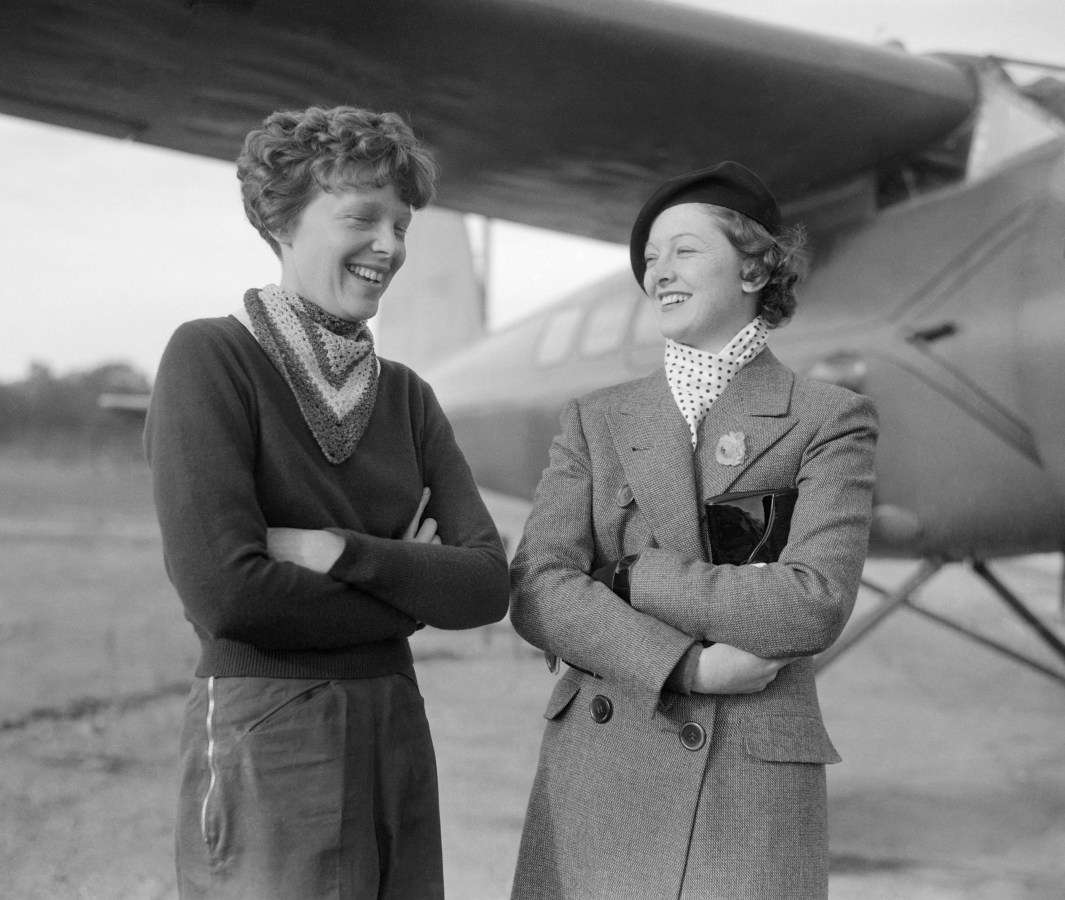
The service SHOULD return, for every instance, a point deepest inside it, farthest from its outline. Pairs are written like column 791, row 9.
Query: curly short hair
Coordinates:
column 297, row 152
column 782, row 258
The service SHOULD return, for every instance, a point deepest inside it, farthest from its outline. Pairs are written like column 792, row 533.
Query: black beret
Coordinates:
column 727, row 184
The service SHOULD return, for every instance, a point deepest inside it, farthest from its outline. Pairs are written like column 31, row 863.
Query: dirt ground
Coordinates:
column 952, row 785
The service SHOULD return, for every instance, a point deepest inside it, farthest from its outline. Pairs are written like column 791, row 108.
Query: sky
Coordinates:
column 108, row 245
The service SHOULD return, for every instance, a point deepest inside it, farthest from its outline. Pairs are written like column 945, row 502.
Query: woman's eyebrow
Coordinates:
column 677, row 237
column 357, row 203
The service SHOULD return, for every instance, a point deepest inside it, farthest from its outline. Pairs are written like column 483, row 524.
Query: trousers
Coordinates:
column 301, row 789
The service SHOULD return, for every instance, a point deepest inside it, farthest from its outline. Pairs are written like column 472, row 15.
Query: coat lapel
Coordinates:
column 654, row 446
column 756, row 403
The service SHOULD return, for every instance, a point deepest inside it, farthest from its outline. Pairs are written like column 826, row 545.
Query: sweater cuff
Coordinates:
column 348, row 557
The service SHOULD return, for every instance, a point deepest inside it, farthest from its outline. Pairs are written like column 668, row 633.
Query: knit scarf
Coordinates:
column 697, row 378
column 328, row 362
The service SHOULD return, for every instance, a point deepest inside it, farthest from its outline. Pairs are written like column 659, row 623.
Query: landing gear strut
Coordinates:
column 903, row 596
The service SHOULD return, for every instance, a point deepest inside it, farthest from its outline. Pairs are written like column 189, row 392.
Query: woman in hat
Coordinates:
column 315, row 511
column 684, row 751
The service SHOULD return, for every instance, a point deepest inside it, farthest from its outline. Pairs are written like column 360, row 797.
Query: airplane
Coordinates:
column 933, row 189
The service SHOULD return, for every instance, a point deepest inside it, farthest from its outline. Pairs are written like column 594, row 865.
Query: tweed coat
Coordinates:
column 635, row 806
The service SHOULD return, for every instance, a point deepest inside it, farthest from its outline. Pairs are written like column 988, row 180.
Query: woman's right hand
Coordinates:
column 419, row 531
column 724, row 669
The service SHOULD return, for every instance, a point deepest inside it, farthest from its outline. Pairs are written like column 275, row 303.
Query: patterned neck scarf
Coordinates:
column 328, row 362
column 697, row 378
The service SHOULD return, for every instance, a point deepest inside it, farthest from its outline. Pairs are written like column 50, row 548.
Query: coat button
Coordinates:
column 602, row 709
column 693, row 736
column 624, row 496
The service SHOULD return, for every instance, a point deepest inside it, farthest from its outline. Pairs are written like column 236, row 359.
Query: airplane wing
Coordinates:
column 556, row 113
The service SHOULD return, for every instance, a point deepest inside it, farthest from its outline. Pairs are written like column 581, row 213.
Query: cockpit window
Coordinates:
column 1010, row 124
column 605, row 327
column 1007, row 124
column 645, row 331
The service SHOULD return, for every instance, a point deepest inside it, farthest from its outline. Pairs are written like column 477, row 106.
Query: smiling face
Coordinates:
column 344, row 248
column 693, row 278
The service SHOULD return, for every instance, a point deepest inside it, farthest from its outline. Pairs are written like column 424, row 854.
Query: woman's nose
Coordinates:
column 654, row 276
column 386, row 242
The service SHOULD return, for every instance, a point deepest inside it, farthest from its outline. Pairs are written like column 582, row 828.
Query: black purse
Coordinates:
column 749, row 526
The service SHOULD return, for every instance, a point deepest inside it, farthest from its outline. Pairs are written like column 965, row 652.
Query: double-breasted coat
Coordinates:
column 645, row 793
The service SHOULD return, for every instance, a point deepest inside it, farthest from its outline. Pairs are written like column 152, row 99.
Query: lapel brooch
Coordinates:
column 731, row 448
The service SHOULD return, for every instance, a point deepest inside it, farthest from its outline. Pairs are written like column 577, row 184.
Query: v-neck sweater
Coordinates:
column 232, row 456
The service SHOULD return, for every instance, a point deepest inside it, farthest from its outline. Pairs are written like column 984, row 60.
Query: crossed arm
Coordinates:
column 234, row 573
column 712, row 629
column 559, row 607
column 318, row 550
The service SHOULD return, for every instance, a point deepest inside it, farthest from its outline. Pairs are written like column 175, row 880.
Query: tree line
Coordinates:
column 61, row 416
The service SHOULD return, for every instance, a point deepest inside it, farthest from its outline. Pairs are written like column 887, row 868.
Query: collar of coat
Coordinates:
column 654, row 444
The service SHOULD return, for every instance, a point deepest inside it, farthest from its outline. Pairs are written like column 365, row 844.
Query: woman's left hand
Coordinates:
column 313, row 549
column 422, row 531
column 724, row 669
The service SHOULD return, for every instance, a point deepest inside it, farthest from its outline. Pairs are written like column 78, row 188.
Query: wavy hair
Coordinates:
column 782, row 258
column 297, row 152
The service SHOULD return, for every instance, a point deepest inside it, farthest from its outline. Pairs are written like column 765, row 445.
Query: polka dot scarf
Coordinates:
column 697, row 378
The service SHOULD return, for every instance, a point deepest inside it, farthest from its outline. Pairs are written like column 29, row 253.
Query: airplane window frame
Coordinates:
column 645, row 331
column 558, row 336
column 596, row 342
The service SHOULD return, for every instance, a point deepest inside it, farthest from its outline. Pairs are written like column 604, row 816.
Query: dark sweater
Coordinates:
column 232, row 456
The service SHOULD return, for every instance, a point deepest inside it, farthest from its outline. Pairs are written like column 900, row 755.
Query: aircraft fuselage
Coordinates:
column 949, row 311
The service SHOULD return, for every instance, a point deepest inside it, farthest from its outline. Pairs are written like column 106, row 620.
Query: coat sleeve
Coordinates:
column 459, row 583
column 798, row 605
column 557, row 606
column 200, row 441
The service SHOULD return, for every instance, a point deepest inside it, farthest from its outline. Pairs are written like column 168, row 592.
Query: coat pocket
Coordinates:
column 567, row 688
column 800, row 739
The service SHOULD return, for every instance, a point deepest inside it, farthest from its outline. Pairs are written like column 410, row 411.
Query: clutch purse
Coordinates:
column 749, row 526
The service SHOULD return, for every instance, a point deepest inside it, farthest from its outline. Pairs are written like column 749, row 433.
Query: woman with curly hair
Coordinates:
column 684, row 751
column 315, row 511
